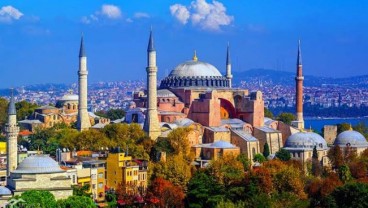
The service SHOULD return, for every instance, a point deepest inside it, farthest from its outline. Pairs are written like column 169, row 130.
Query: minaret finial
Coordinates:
column 299, row 59
column 150, row 42
column 350, row 127
column 195, row 58
column 82, row 52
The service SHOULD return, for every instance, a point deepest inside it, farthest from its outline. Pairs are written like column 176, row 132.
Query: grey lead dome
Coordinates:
column 38, row 164
column 306, row 140
column 195, row 69
column 352, row 138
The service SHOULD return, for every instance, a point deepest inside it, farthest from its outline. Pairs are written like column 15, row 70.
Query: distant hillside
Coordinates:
column 287, row 78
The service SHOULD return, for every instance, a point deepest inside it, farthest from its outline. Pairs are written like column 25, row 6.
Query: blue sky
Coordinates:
column 39, row 39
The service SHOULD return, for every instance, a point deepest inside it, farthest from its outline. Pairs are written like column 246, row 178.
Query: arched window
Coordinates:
column 69, row 106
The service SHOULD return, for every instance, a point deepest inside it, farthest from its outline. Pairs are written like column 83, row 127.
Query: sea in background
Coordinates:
column 318, row 123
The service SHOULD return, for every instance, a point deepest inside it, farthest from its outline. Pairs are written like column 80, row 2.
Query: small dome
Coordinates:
column 222, row 144
column 38, row 164
column 165, row 93
column 306, row 140
column 69, row 97
column 184, row 122
column 352, row 138
column 4, row 191
column 195, row 68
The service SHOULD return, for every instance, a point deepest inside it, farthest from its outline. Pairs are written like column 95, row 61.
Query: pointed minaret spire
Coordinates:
column 11, row 109
column 150, row 42
column 228, row 59
column 82, row 52
column 229, row 76
column 299, row 59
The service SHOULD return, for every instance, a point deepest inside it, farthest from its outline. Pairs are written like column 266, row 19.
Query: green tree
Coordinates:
column 81, row 190
column 335, row 156
column 266, row 150
column 362, row 128
column 3, row 111
column 268, row 113
column 76, row 202
column 259, row 158
column 351, row 195
column 283, row 154
column 39, row 199
column 343, row 127
column 112, row 114
column 204, row 190
column 25, row 109
column 178, row 139
column 286, row 118
column 245, row 161
column 344, row 173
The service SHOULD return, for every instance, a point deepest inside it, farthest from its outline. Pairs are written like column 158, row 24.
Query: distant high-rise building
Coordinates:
column 151, row 124
column 83, row 121
column 12, row 130
column 299, row 123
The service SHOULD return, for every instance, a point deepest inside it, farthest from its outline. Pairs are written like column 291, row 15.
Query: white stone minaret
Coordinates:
column 12, row 130
column 229, row 76
column 83, row 121
column 151, row 124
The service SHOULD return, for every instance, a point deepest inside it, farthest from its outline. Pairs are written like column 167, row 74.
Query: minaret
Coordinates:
column 12, row 130
column 151, row 124
column 299, row 123
column 83, row 122
column 229, row 76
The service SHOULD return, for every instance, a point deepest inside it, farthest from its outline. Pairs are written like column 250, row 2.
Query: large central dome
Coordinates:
column 196, row 74
column 195, row 69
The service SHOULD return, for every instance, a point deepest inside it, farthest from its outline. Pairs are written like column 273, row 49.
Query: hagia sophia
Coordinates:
column 223, row 120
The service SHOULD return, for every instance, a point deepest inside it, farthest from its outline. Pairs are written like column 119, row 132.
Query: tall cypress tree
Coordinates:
column 316, row 166
column 266, row 150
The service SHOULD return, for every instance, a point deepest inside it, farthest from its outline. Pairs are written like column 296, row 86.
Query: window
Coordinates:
column 100, row 185
column 73, row 179
column 100, row 175
column 94, row 186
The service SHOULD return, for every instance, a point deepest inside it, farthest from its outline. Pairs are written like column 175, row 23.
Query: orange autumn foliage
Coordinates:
column 163, row 193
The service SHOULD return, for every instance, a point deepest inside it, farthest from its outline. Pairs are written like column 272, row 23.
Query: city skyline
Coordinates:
column 40, row 41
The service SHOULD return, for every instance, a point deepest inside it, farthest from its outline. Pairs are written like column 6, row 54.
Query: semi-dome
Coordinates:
column 38, row 164
column 69, row 97
column 305, row 140
column 222, row 144
column 351, row 138
column 194, row 73
column 4, row 191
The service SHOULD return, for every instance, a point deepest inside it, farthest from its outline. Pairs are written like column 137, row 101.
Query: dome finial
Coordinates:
column 350, row 127
column 195, row 58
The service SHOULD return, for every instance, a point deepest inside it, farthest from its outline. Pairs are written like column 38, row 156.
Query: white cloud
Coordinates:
column 8, row 14
column 208, row 16
column 111, row 11
column 108, row 11
column 180, row 12
column 139, row 15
